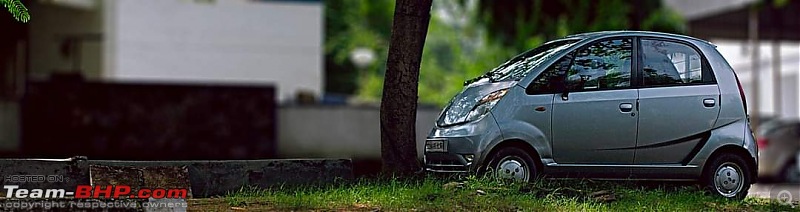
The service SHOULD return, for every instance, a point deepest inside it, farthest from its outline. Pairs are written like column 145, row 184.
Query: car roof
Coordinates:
column 589, row 35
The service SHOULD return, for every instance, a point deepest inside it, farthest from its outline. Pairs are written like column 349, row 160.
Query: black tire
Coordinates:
column 733, row 169
column 510, row 157
column 790, row 173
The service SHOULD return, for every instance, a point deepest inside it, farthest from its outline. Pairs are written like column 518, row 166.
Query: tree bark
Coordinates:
column 399, row 100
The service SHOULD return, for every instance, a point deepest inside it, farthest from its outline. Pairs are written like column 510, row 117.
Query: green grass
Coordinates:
column 545, row 195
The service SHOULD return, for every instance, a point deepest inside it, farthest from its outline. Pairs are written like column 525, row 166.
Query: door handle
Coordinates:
column 709, row 102
column 626, row 107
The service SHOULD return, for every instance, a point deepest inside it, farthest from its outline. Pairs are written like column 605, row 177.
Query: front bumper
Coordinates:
column 446, row 163
column 465, row 144
column 459, row 158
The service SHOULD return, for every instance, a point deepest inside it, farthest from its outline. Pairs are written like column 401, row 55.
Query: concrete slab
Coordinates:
column 216, row 178
column 45, row 173
column 206, row 178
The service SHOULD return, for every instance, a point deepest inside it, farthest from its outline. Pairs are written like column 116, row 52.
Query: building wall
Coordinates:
column 222, row 41
column 50, row 28
column 791, row 103
column 9, row 127
column 131, row 121
column 52, row 24
column 339, row 131
column 737, row 53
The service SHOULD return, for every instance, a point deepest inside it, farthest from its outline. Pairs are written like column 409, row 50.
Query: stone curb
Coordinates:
column 206, row 178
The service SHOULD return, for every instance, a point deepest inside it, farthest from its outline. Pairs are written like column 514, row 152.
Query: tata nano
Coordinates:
column 614, row 105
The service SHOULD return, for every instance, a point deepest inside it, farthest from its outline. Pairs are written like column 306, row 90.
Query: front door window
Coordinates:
column 604, row 65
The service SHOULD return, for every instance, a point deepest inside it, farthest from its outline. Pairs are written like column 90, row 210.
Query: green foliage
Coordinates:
column 610, row 15
column 467, row 38
column 351, row 24
column 17, row 9
column 452, row 55
column 550, row 19
column 454, row 52
column 664, row 20
column 780, row 3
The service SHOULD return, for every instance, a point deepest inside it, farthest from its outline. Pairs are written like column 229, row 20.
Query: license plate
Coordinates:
column 435, row 146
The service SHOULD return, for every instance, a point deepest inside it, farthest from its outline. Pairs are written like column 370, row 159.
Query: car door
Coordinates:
column 678, row 102
column 594, row 122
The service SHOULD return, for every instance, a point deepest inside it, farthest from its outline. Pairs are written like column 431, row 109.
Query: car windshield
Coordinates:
column 518, row 67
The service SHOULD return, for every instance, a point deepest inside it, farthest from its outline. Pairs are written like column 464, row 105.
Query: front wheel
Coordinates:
column 728, row 176
column 512, row 163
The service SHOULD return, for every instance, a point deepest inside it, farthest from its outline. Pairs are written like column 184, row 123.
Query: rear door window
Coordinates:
column 669, row 63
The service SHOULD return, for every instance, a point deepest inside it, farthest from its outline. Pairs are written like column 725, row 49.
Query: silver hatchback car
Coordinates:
column 615, row 105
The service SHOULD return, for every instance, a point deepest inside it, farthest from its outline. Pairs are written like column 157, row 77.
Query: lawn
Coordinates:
column 472, row 194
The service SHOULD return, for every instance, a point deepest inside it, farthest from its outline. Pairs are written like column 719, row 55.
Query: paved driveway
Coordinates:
column 781, row 192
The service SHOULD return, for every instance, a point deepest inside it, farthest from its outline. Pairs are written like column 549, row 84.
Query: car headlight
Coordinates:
column 466, row 109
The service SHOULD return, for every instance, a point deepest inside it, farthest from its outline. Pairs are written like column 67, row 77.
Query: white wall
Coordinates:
column 339, row 131
column 691, row 9
column 223, row 41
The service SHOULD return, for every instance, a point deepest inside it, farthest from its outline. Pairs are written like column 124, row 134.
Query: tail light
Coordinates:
column 762, row 143
column 741, row 93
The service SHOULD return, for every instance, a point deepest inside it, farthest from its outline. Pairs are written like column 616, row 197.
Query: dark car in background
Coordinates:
column 778, row 150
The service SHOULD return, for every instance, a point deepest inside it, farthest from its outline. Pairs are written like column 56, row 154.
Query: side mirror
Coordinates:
column 565, row 95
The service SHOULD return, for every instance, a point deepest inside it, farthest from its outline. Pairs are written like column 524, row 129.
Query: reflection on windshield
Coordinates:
column 517, row 67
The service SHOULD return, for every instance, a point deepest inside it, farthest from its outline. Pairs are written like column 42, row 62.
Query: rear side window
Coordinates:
column 667, row 63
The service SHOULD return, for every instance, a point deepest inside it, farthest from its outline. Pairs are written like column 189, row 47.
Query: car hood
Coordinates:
column 483, row 87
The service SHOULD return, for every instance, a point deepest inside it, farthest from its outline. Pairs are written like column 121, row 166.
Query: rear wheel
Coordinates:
column 727, row 175
column 511, row 163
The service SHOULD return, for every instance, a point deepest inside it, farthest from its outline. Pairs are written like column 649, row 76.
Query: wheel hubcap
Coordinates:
column 728, row 179
column 512, row 168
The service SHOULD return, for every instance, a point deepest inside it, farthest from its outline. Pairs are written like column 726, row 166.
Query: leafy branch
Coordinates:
column 17, row 9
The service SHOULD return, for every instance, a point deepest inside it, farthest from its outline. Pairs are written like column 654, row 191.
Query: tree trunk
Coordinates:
column 399, row 101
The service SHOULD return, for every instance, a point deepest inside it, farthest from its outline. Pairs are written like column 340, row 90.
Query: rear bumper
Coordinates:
column 767, row 169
